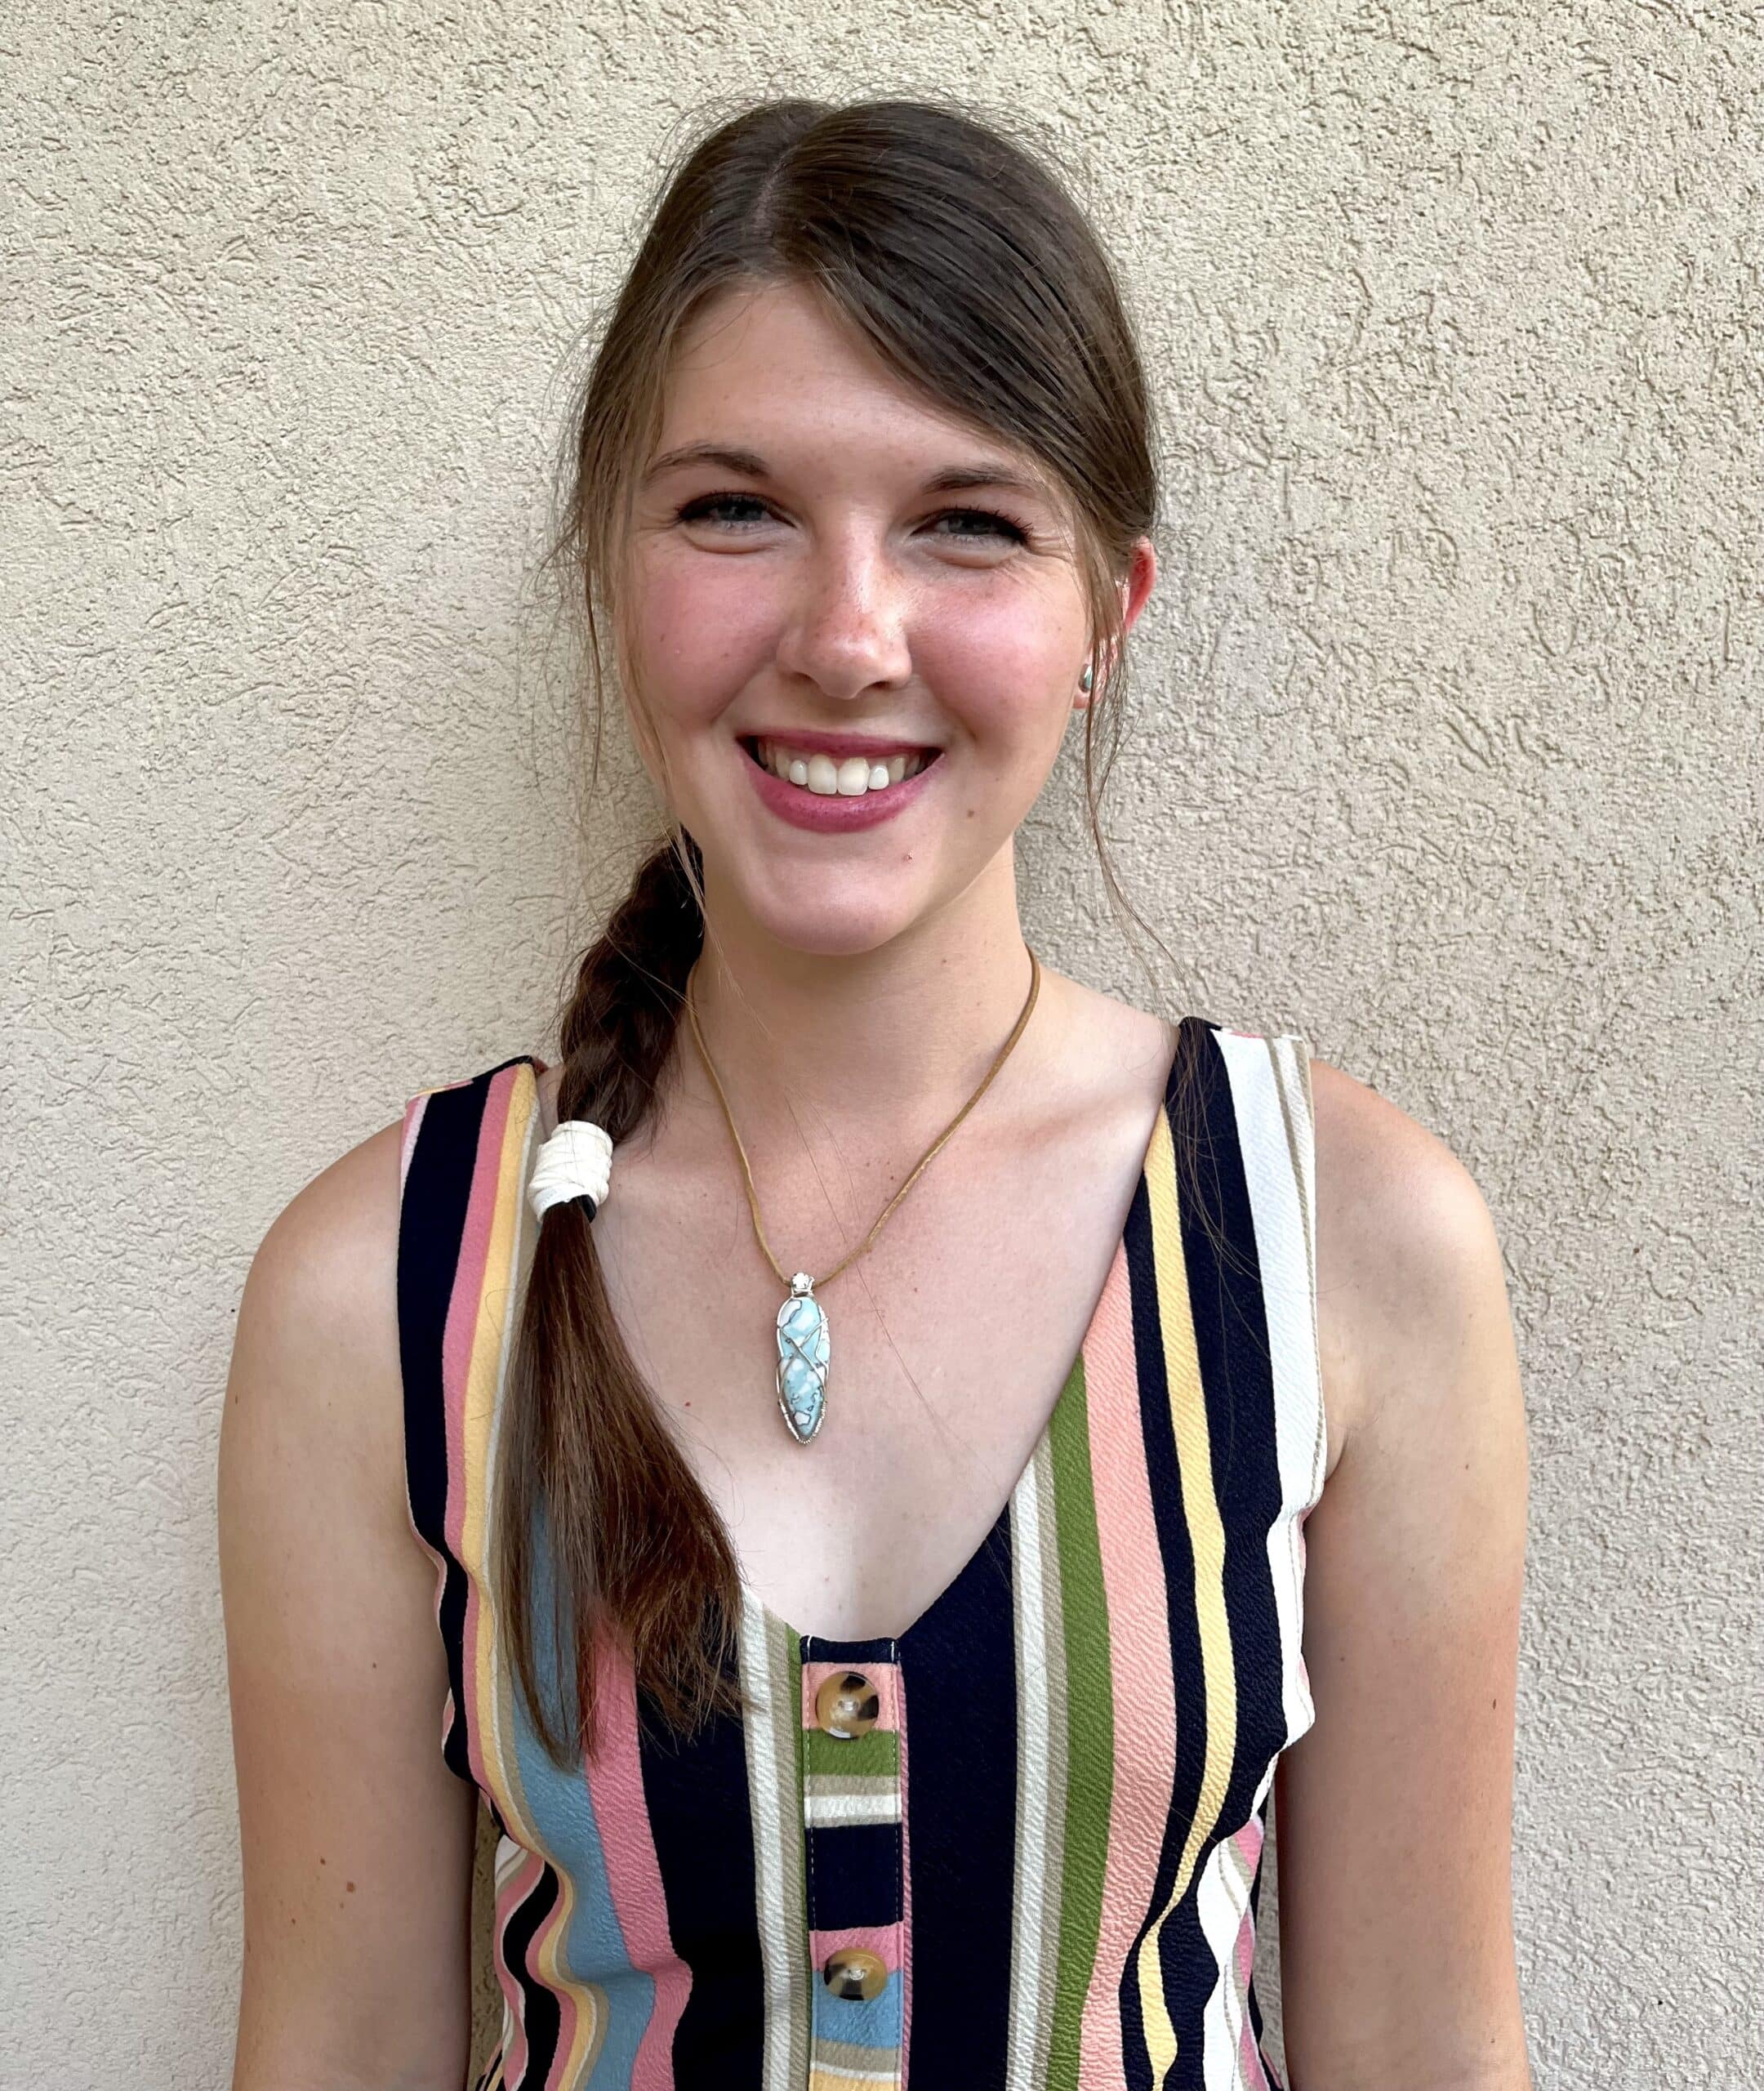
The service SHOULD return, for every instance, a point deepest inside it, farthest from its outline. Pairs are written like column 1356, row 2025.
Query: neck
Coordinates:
column 878, row 1048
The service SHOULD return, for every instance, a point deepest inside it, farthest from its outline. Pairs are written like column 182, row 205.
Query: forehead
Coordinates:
column 773, row 373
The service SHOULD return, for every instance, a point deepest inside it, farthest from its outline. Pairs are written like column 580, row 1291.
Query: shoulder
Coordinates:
column 317, row 1339
column 1413, row 1571
column 1409, row 1264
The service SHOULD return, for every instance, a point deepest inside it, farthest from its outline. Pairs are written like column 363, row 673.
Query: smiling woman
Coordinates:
column 902, row 1689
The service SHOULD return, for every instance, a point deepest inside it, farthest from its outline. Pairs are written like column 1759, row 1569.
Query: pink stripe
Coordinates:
column 633, row 1874
column 414, row 1112
column 905, row 1832
column 882, row 1940
column 1139, row 1661
column 566, row 2004
column 1247, row 1841
column 1250, row 2069
column 464, row 1307
column 521, row 1884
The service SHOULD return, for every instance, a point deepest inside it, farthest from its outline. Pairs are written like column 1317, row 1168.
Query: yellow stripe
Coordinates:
column 1206, row 1537
column 507, row 1257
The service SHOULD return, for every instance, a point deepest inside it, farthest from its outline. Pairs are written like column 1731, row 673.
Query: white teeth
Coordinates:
column 816, row 772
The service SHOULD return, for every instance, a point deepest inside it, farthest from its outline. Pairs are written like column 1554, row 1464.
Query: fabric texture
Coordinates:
column 1050, row 1833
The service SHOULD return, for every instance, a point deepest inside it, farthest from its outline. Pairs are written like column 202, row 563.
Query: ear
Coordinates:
column 1135, row 587
column 1142, row 575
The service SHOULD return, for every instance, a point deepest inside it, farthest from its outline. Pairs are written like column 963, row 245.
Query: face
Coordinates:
column 812, row 582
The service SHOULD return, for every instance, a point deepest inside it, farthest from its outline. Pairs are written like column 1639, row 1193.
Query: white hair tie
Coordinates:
column 575, row 1162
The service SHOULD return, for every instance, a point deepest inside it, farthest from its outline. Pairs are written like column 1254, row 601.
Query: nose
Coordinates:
column 846, row 631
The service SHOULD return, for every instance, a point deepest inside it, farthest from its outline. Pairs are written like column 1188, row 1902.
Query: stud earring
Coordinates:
column 1086, row 680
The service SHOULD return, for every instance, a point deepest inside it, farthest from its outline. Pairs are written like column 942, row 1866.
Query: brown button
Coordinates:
column 847, row 1704
column 855, row 1974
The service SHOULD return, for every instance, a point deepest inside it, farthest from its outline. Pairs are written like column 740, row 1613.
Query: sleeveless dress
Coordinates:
column 1030, row 1859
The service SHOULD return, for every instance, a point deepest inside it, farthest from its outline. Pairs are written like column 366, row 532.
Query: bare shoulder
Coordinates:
column 321, row 1290
column 354, row 1836
column 1406, row 1248
column 1397, row 1957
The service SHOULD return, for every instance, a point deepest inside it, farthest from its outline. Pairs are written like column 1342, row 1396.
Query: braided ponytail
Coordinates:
column 628, row 1529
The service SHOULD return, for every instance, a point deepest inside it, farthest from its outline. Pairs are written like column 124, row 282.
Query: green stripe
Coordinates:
column 1090, row 1731
column 874, row 1756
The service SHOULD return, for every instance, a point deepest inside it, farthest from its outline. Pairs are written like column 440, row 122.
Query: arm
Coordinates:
column 1393, row 1812
column 356, row 1841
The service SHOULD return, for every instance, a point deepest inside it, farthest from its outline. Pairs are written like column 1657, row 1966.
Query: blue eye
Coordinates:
column 700, row 509
column 705, row 508
column 1000, row 526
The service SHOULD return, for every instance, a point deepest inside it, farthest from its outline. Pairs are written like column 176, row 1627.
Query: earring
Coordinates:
column 1086, row 680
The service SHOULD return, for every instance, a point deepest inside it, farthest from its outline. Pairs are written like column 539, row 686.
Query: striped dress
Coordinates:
column 1019, row 1846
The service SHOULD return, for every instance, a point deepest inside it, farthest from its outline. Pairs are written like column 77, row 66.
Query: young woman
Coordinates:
column 841, row 1458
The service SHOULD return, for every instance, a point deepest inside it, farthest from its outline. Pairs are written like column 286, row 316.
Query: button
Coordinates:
column 855, row 1975
column 848, row 1704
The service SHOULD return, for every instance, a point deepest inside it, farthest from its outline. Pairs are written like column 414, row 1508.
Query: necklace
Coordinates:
column 804, row 1340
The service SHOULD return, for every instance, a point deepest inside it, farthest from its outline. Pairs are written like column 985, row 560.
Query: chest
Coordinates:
column 950, row 1342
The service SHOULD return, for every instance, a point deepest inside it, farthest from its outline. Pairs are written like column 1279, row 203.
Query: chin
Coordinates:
column 821, row 921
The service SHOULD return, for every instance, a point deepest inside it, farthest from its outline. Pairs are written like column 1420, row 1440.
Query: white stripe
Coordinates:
column 1270, row 1094
column 1221, row 1903
column 765, row 1791
column 1028, row 1977
column 829, row 1811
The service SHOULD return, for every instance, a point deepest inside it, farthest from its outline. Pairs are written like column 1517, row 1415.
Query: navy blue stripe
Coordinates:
column 961, row 1842
column 1187, row 1678
column 539, row 2004
column 853, row 1875
column 1237, row 1373
column 695, row 1789
column 1230, row 1338
column 431, row 1228
column 1256, row 1879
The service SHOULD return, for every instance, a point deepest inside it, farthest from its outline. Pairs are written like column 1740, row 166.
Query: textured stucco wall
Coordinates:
column 1445, row 750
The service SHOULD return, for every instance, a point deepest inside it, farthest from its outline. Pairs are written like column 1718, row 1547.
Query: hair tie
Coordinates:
column 575, row 1162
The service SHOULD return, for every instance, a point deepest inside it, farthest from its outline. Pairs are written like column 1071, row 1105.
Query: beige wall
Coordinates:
column 1446, row 751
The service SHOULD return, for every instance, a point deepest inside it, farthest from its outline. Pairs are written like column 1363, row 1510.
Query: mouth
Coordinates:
column 817, row 774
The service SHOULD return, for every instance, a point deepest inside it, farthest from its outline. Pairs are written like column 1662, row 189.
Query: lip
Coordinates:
column 815, row 743
column 833, row 814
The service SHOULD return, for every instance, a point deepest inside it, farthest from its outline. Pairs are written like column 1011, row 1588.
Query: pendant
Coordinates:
column 802, row 1365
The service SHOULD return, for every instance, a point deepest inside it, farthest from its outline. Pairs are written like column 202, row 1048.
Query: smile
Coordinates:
column 828, row 775
column 827, row 794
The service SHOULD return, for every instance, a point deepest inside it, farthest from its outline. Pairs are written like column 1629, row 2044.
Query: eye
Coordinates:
column 701, row 508
column 996, row 525
column 706, row 508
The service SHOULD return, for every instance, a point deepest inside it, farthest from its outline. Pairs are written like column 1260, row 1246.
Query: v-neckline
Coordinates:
column 829, row 1646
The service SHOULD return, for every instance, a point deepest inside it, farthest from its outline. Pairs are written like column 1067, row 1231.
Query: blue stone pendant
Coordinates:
column 802, row 1365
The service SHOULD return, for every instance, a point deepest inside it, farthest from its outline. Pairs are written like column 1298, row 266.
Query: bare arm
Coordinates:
column 1393, row 1814
column 356, row 1840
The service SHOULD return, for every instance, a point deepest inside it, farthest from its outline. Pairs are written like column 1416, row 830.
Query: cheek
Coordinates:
column 1001, row 666
column 701, row 635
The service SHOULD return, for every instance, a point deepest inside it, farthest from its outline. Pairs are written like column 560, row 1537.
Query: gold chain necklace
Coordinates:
column 804, row 1339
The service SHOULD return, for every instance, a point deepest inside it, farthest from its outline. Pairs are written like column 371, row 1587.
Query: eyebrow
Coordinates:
column 954, row 479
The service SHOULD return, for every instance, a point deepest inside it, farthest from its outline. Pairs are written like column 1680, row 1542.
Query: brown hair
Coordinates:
column 959, row 255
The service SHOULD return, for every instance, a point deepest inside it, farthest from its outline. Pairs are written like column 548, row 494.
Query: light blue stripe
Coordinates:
column 561, row 1813
column 862, row 2021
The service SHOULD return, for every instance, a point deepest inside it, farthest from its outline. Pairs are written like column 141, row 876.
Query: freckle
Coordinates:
column 350, row 1885
column 322, row 1859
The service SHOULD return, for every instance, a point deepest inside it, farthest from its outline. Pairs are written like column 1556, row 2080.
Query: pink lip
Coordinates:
column 812, row 743
column 832, row 814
